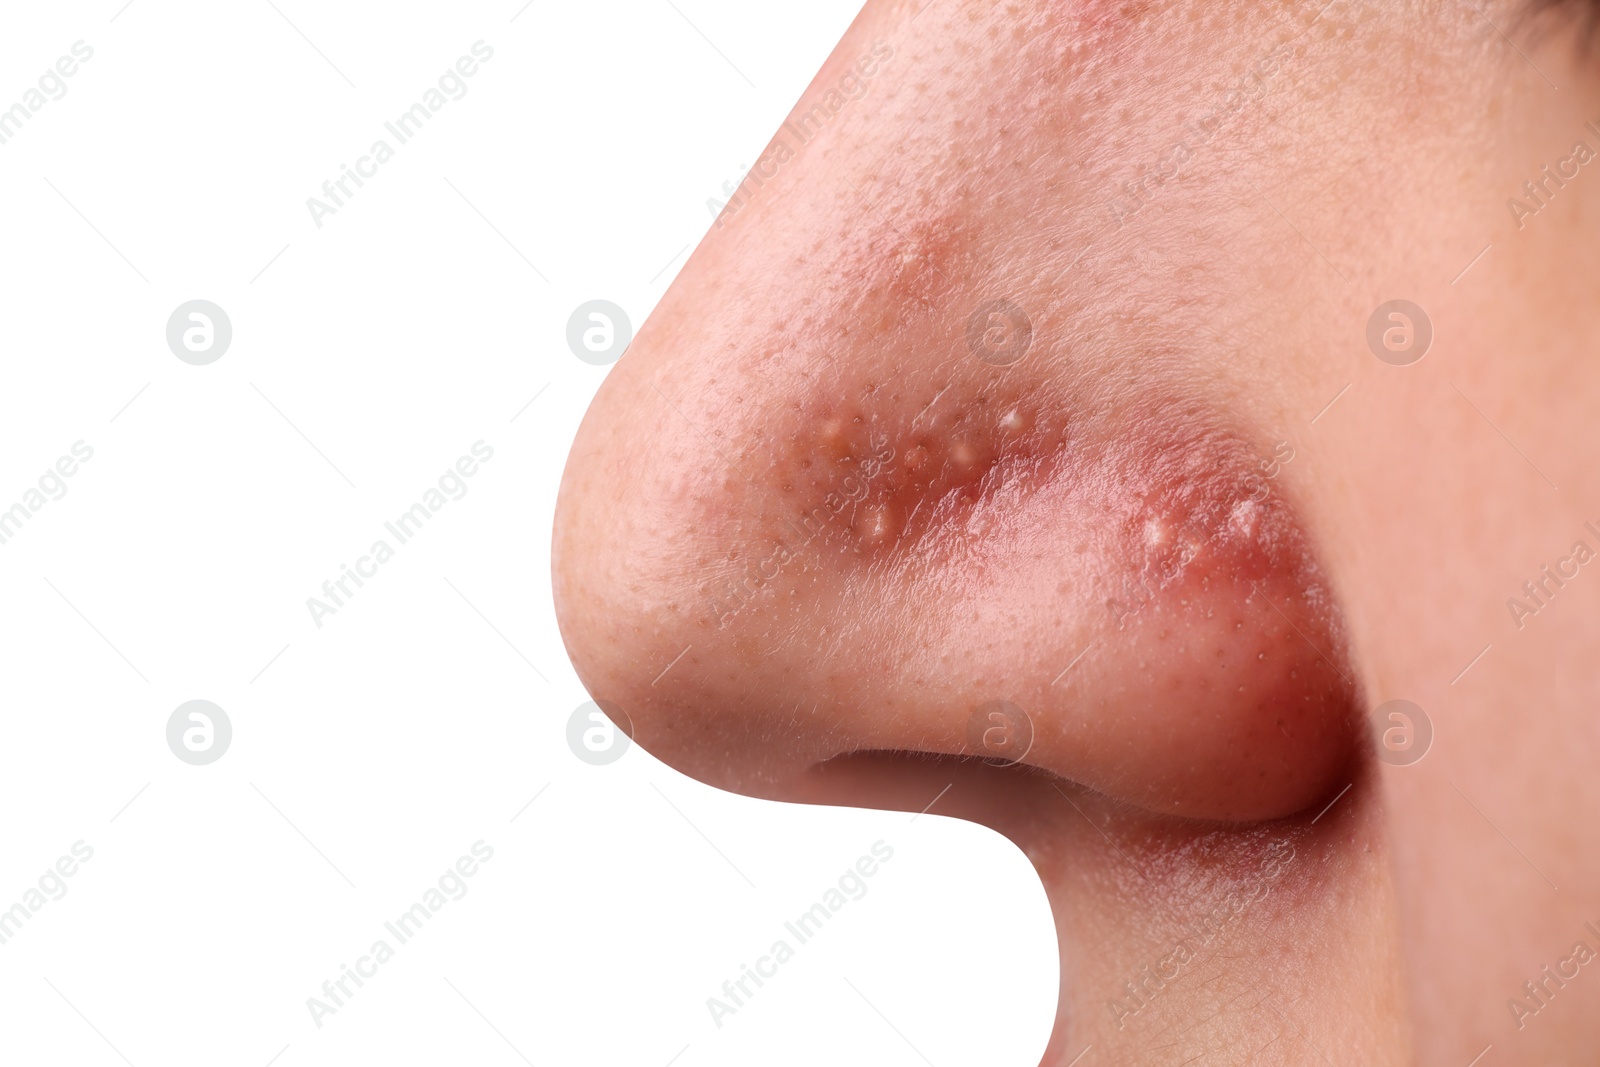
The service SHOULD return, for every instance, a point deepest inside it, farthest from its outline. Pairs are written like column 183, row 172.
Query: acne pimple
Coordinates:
column 879, row 525
column 1015, row 421
column 963, row 455
column 833, row 441
column 1244, row 518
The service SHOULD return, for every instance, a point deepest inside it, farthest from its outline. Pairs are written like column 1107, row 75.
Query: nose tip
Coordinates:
column 819, row 579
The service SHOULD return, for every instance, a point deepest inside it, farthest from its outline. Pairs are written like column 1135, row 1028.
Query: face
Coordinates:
column 1038, row 421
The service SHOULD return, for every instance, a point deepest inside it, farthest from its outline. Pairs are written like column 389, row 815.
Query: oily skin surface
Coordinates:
column 820, row 334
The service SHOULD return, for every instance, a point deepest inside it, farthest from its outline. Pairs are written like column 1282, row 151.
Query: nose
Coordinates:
column 868, row 482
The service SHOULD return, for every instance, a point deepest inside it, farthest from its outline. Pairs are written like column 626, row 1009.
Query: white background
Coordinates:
column 370, row 753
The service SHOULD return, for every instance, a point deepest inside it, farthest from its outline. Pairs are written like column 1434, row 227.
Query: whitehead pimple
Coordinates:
column 834, row 439
column 1245, row 518
column 1013, row 421
column 880, row 525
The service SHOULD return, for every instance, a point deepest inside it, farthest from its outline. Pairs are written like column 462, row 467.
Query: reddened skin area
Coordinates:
column 864, row 575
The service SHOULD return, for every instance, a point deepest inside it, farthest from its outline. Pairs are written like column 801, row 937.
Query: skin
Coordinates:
column 1189, row 578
